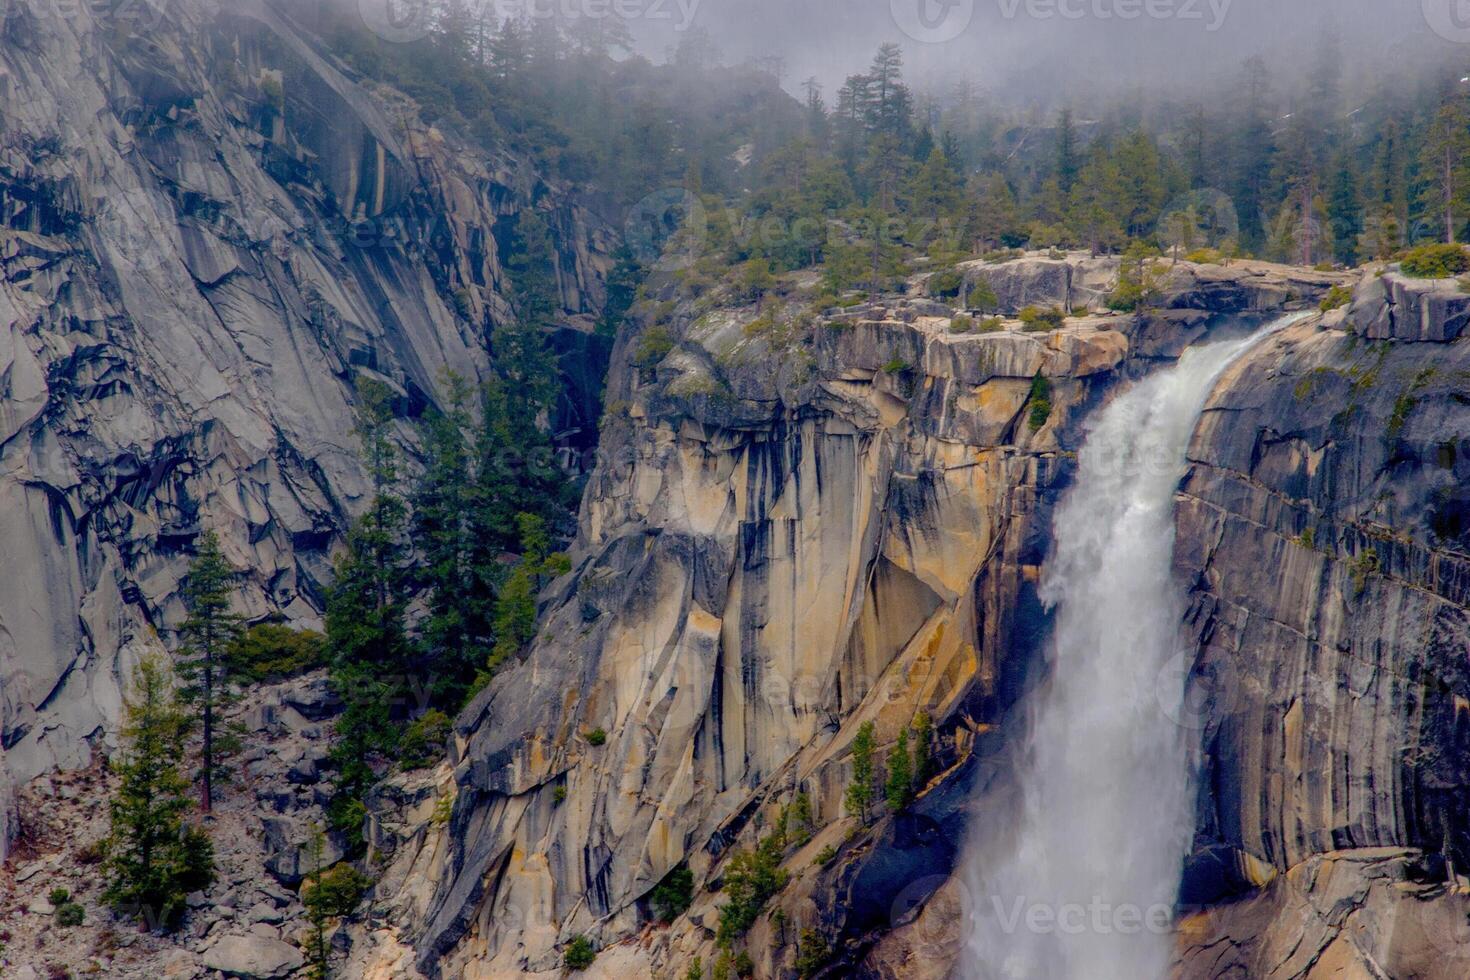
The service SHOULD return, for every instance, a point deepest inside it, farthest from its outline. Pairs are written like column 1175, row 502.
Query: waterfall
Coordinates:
column 1081, row 881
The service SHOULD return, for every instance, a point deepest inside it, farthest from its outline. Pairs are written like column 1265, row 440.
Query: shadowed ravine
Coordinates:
column 1086, row 888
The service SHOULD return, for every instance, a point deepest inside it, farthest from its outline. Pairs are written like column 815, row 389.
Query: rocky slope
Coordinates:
column 798, row 524
column 208, row 226
column 251, row 922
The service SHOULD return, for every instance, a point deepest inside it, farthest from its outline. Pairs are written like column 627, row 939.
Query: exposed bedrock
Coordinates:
column 199, row 246
column 1323, row 529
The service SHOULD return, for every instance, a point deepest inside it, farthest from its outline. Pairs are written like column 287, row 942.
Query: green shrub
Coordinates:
column 1438, row 261
column 946, row 284
column 596, row 737
column 896, row 365
column 1140, row 282
column 655, row 344
column 336, row 892
column 1040, row 403
column 70, row 914
column 812, row 953
column 1363, row 566
column 423, row 741
column 59, row 896
column 1036, row 320
column 982, row 297
column 827, row 855
column 579, row 954
column 744, row 965
column 962, row 324
column 674, row 894
column 796, row 820
column 559, row 795
column 273, row 651
column 751, row 878
column 991, row 324
column 1336, row 298
column 273, row 90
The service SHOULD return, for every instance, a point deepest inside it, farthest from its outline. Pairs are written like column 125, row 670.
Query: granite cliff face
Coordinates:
column 1323, row 528
column 207, row 227
column 789, row 534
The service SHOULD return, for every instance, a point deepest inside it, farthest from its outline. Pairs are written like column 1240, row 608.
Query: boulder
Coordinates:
column 290, row 859
column 253, row 957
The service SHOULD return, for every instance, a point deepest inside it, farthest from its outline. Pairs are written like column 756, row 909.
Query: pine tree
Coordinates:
column 818, row 126
column 1068, row 163
column 1253, row 150
column 1446, row 153
column 318, row 952
column 455, row 634
column 859, row 795
column 1345, row 212
column 994, row 217
column 923, row 739
column 154, row 860
column 1196, row 149
column 934, row 193
column 366, row 605
column 367, row 635
column 899, row 788
column 891, row 111
column 207, row 635
column 509, row 52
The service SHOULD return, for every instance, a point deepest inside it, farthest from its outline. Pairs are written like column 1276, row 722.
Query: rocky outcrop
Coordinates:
column 208, row 227
column 1393, row 306
column 1077, row 281
column 792, row 530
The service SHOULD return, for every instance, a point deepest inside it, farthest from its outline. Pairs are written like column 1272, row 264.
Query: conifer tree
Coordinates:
column 153, row 860
column 923, row 758
column 367, row 636
column 1446, row 153
column 859, row 795
column 207, row 635
column 455, row 634
column 318, row 952
column 1068, row 163
column 899, row 788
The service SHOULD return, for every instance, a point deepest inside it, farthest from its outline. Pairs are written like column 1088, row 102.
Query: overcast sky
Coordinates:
column 1010, row 45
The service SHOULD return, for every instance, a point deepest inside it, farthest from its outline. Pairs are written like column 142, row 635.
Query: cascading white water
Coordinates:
column 1086, row 884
